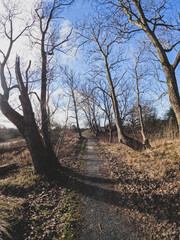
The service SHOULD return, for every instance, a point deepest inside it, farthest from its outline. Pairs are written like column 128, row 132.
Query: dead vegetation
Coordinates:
column 148, row 186
column 146, row 191
column 34, row 207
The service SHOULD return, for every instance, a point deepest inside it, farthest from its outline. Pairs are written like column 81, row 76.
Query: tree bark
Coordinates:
column 76, row 113
column 30, row 133
column 122, row 138
column 110, row 134
column 169, row 70
column 173, row 92
column 145, row 140
column 43, row 163
column 44, row 116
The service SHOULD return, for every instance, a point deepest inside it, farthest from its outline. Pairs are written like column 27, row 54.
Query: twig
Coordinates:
column 99, row 225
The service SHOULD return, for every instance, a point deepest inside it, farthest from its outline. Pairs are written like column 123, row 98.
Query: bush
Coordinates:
column 7, row 134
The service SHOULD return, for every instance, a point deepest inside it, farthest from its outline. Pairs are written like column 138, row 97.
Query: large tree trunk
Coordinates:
column 122, row 138
column 173, row 92
column 31, row 135
column 44, row 116
column 43, row 163
column 169, row 69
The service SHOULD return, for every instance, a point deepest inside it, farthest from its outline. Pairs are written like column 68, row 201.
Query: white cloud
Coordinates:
column 24, row 48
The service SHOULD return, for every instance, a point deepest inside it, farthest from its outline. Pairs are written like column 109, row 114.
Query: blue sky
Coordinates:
column 79, row 10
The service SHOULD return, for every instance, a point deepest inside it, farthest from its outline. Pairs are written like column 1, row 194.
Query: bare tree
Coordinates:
column 43, row 157
column 90, row 109
column 101, row 93
column 139, row 75
column 163, row 32
column 26, row 122
column 72, row 83
column 46, row 13
column 104, row 103
column 103, row 43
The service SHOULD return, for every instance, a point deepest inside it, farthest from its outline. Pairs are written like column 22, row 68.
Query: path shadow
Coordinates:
column 13, row 190
column 162, row 207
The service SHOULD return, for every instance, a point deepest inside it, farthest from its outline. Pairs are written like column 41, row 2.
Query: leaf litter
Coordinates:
column 35, row 207
column 148, row 184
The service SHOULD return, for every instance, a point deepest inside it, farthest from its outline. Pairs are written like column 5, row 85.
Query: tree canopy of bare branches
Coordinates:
column 40, row 146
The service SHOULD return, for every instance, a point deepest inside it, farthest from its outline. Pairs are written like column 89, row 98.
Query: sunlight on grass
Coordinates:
column 149, row 185
column 32, row 206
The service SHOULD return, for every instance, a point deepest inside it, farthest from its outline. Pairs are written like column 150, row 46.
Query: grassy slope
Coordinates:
column 148, row 187
column 33, row 207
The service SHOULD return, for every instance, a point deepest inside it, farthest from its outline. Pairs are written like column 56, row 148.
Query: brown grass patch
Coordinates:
column 149, row 182
column 34, row 207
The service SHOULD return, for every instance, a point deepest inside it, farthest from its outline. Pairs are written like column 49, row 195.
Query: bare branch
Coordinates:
column 171, row 48
column 51, row 51
column 27, row 77
column 15, row 86
column 3, row 82
column 2, row 53
column 162, row 95
column 19, row 76
column 20, row 34
column 38, row 98
column 177, row 60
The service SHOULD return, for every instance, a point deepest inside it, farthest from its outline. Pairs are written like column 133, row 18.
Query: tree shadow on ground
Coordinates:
column 13, row 190
column 162, row 207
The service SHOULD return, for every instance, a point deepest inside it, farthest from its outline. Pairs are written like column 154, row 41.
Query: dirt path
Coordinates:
column 99, row 223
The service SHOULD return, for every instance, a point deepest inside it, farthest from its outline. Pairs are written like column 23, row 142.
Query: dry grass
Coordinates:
column 158, row 163
column 13, row 187
column 149, row 182
column 34, row 207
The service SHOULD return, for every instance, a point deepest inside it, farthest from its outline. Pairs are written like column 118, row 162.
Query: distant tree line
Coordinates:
column 7, row 134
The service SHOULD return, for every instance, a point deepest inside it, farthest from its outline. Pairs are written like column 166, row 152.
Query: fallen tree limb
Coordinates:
column 8, row 167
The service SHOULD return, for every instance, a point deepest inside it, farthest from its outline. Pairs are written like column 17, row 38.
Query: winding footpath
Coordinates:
column 99, row 222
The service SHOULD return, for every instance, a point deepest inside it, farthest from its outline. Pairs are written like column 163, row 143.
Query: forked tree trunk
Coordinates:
column 26, row 124
column 30, row 133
